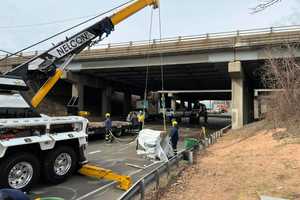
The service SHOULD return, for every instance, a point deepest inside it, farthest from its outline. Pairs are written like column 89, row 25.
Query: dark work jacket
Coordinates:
column 174, row 134
column 108, row 124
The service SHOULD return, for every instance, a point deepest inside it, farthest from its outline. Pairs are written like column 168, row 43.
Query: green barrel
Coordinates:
column 190, row 143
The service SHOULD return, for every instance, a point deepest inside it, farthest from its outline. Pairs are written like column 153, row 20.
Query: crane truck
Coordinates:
column 33, row 145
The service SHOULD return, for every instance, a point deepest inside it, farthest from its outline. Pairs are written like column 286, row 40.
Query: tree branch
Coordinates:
column 263, row 5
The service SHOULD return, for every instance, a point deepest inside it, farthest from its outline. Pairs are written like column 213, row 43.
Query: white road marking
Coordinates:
column 94, row 152
column 123, row 149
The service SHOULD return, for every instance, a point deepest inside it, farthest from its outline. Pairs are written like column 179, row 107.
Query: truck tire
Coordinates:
column 118, row 132
column 59, row 164
column 19, row 171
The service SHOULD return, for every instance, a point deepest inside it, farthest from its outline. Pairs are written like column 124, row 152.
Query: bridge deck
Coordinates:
column 227, row 40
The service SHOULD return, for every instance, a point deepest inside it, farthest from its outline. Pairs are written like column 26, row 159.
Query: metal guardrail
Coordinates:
column 139, row 187
column 231, row 39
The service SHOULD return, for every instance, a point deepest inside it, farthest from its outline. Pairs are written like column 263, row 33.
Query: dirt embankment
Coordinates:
column 241, row 166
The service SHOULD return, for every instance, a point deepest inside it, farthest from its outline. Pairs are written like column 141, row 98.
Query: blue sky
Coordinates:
column 179, row 18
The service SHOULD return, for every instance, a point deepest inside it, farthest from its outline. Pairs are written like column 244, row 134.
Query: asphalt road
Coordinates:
column 115, row 156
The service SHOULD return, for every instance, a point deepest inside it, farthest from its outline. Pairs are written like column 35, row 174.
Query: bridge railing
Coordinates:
column 231, row 39
column 237, row 33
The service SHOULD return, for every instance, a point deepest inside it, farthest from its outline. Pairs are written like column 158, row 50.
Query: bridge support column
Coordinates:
column 189, row 105
column 257, row 106
column 173, row 101
column 78, row 91
column 242, row 96
column 182, row 103
column 173, row 104
column 106, row 100
column 127, row 103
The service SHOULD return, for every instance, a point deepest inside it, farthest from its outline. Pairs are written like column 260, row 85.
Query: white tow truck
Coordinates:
column 32, row 144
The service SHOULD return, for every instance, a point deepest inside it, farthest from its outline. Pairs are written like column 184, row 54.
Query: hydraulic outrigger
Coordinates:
column 45, row 65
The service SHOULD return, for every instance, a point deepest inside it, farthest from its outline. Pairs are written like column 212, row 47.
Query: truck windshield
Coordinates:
column 13, row 105
column 10, row 100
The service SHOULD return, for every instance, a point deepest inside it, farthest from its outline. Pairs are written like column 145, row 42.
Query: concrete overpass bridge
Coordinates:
column 215, row 61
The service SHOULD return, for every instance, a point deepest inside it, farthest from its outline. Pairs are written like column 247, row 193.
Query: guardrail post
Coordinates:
column 209, row 140
column 271, row 29
column 190, row 157
column 142, row 189
column 157, row 184
column 206, row 142
column 201, row 145
column 168, row 170
column 207, row 35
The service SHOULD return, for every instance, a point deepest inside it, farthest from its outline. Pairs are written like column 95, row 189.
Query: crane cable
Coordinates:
column 161, row 68
column 147, row 57
column 66, row 30
column 148, row 64
column 162, row 71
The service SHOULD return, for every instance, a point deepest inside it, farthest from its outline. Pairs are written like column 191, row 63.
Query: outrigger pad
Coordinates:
column 124, row 182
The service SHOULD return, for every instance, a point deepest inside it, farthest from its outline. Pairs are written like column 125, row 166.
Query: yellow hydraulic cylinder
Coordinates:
column 132, row 9
column 44, row 90
column 124, row 182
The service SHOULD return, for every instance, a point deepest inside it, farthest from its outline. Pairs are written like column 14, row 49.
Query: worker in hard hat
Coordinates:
column 174, row 134
column 141, row 119
column 129, row 117
column 108, row 128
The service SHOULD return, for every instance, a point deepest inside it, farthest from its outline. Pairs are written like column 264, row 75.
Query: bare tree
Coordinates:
column 283, row 73
column 263, row 5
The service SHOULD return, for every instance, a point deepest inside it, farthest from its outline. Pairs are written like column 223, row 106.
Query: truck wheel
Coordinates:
column 59, row 164
column 118, row 132
column 19, row 171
